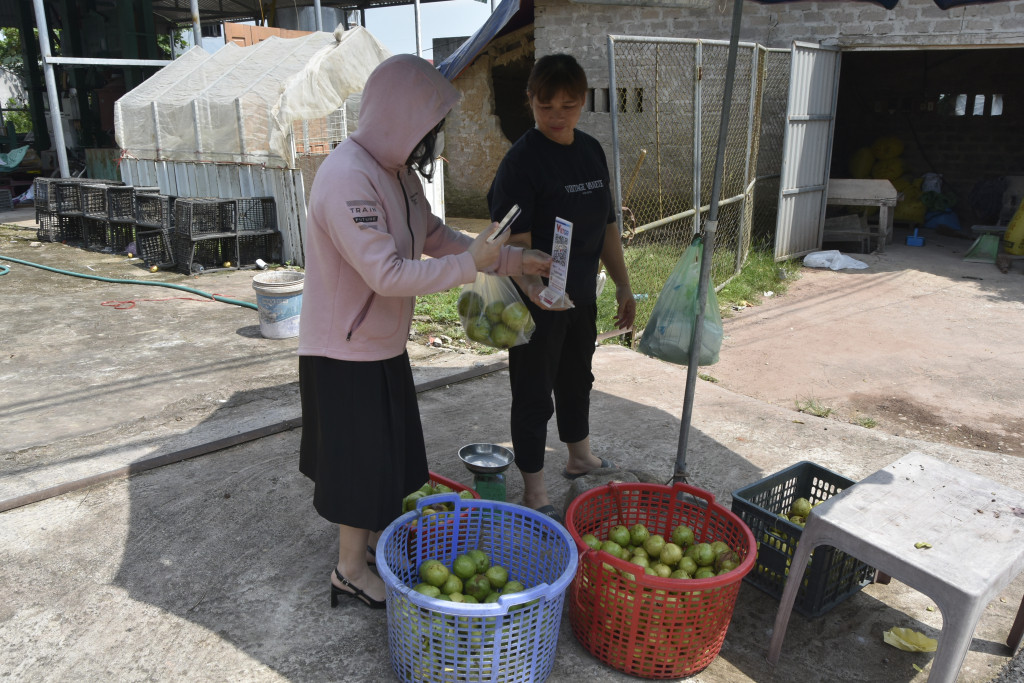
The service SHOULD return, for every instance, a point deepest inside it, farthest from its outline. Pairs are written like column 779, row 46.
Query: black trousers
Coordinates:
column 557, row 360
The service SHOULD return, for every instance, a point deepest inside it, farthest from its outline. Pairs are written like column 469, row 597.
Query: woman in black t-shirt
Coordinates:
column 554, row 171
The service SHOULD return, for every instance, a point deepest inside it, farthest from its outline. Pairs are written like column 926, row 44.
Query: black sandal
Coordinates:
column 373, row 562
column 356, row 593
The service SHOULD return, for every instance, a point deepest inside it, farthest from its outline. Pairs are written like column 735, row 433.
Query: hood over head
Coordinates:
column 403, row 99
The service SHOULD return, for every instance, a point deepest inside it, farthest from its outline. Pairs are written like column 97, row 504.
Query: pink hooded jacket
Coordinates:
column 368, row 224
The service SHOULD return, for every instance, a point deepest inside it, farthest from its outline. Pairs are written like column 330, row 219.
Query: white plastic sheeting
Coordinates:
column 238, row 105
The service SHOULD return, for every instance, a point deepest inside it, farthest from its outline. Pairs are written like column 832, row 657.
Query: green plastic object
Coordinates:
column 984, row 249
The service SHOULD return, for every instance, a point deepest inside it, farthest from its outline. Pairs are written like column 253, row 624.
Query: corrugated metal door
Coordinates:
column 807, row 149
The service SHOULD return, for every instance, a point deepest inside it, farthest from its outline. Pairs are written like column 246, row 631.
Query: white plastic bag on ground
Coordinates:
column 832, row 259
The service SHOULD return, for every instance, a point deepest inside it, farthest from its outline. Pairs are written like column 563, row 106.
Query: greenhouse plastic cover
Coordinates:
column 238, row 104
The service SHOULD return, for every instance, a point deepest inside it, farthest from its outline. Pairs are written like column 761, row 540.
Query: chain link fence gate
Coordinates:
column 666, row 97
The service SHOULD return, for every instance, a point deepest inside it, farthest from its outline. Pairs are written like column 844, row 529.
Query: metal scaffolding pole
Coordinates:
column 197, row 31
column 419, row 40
column 51, row 88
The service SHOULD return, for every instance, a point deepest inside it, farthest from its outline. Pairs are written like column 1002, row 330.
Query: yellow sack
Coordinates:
column 888, row 147
column 889, row 169
column 861, row 163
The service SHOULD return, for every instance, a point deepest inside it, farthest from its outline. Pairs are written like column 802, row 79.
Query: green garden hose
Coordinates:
column 216, row 297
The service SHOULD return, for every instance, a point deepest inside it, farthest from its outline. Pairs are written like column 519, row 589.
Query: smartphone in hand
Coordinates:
column 507, row 221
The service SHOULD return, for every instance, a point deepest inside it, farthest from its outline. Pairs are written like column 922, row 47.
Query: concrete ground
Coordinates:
column 215, row 567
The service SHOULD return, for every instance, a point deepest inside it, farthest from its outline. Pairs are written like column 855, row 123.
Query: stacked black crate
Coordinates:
column 204, row 234
column 154, row 227
column 95, row 226
column 256, row 226
column 120, row 201
column 67, row 194
column 45, row 199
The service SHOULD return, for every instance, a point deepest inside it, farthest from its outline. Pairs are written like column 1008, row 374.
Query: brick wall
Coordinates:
column 581, row 30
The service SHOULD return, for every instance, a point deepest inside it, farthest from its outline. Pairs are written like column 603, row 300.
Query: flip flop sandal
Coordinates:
column 605, row 464
column 551, row 512
column 356, row 593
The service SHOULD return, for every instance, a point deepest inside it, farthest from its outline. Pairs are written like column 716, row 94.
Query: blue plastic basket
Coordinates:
column 511, row 640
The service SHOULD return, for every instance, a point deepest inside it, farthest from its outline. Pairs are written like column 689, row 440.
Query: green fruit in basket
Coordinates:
column 464, row 567
column 654, row 544
column 801, row 507
column 497, row 576
column 650, row 571
column 641, row 551
column 452, row 584
column 512, row 587
column 719, row 547
column 444, row 597
column 625, row 554
column 611, row 547
column 592, row 541
column 491, row 597
column 679, row 574
column 727, row 561
column 640, row 561
column 470, row 304
column 409, row 502
column 434, row 573
column 441, row 488
column 502, row 336
column 688, row 565
column 494, row 310
column 671, row 554
column 683, row 536
column 638, row 533
column 620, row 535
column 479, row 330
column 799, row 521
column 516, row 316
column 704, row 573
column 466, row 494
column 469, row 600
column 456, row 597
column 704, row 556
column 426, row 489
column 481, row 559
column 662, row 569
column 427, row 589
column 478, row 586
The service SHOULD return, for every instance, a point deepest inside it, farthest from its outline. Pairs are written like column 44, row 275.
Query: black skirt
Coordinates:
column 362, row 440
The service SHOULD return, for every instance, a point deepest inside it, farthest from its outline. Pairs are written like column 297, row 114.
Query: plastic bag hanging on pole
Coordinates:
column 670, row 329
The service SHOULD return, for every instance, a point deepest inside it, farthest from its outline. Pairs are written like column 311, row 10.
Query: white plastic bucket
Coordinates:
column 279, row 301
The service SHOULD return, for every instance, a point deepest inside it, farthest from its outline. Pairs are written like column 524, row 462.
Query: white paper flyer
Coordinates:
column 554, row 293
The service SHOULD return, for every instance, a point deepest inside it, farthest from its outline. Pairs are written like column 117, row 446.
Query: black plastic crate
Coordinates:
column 121, row 236
column 831, row 575
column 121, row 203
column 68, row 195
column 95, row 231
column 154, row 210
column 94, row 201
column 154, row 247
column 53, row 227
column 207, row 254
column 42, row 196
column 198, row 217
column 255, row 214
column 264, row 246
column 6, row 201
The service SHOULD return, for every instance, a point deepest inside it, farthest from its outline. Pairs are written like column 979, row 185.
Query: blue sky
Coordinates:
column 396, row 26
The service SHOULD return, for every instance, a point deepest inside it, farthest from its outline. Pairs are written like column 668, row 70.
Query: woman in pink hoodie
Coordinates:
column 368, row 225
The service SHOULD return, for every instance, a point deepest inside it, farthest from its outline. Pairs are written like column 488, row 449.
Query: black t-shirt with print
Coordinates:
column 547, row 180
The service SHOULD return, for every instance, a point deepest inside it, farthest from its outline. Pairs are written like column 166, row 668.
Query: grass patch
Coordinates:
column 760, row 274
column 812, row 406
column 707, row 378
column 864, row 421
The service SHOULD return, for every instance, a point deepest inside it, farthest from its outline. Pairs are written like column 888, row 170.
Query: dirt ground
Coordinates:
column 920, row 344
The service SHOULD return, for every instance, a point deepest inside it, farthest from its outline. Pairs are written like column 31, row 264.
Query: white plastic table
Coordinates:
column 868, row 192
column 976, row 531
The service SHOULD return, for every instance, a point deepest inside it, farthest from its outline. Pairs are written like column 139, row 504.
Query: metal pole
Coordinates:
column 197, row 31
column 51, row 89
column 710, row 226
column 419, row 41
column 319, row 16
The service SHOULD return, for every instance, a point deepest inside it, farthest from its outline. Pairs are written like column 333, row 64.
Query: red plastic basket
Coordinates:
column 451, row 483
column 644, row 625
